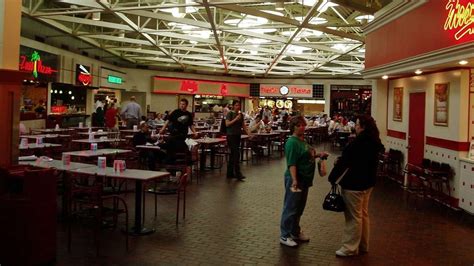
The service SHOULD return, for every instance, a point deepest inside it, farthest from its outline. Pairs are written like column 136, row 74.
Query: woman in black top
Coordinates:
column 360, row 159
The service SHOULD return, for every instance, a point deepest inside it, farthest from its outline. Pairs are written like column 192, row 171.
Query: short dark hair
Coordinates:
column 184, row 101
column 296, row 121
column 234, row 102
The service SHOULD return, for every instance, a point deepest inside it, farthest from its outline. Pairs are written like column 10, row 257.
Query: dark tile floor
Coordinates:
column 237, row 223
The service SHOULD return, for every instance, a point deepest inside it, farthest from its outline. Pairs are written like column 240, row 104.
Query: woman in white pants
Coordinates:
column 360, row 157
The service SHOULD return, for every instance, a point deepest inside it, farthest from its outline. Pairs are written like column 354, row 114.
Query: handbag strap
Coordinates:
column 342, row 175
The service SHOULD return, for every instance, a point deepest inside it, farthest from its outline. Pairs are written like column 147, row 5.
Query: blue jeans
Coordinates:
column 293, row 207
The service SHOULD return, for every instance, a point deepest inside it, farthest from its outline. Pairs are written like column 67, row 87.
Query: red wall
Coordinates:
column 417, row 32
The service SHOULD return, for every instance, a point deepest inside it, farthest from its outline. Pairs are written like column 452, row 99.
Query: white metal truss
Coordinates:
column 310, row 38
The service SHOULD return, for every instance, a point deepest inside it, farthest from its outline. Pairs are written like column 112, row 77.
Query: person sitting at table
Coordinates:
column 143, row 137
column 256, row 125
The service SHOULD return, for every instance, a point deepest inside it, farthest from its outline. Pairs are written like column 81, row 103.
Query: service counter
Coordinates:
column 466, row 193
column 65, row 120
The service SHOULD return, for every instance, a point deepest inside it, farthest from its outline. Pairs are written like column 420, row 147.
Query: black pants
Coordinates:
column 233, row 166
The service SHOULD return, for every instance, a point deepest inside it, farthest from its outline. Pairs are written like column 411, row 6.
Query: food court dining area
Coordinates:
column 118, row 143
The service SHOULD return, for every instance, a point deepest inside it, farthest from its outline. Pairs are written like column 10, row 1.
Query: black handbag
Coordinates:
column 333, row 201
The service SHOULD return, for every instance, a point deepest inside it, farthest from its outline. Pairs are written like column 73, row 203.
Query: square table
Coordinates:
column 130, row 174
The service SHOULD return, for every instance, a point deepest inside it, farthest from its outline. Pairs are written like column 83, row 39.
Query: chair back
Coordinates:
column 426, row 163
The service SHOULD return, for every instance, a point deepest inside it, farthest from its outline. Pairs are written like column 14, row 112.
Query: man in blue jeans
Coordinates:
column 300, row 158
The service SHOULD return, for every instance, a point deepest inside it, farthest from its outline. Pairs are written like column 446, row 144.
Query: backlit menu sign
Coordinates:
column 43, row 66
column 83, row 75
column 296, row 91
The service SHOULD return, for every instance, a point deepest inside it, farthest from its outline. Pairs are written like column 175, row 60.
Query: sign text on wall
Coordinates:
column 460, row 18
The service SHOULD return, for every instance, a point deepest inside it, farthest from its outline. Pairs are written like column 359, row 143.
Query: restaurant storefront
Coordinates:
column 304, row 99
column 206, row 98
column 428, row 89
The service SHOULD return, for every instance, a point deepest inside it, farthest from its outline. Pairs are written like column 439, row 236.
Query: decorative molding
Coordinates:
column 391, row 13
column 396, row 134
column 427, row 60
column 448, row 144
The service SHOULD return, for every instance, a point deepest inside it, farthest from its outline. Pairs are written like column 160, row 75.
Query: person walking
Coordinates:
column 178, row 124
column 300, row 160
column 111, row 118
column 234, row 122
column 131, row 113
column 359, row 158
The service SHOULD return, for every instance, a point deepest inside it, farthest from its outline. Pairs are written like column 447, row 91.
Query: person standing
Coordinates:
column 300, row 159
column 178, row 123
column 234, row 122
column 360, row 157
column 111, row 118
column 131, row 113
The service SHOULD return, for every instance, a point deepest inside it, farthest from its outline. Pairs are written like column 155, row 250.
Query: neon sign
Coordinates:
column 35, row 65
column 460, row 18
column 286, row 91
column 83, row 76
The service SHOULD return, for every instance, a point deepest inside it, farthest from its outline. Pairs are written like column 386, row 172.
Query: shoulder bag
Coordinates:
column 333, row 200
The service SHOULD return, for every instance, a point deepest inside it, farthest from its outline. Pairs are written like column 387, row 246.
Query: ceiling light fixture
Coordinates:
column 463, row 62
column 96, row 16
column 385, row 77
column 418, row 72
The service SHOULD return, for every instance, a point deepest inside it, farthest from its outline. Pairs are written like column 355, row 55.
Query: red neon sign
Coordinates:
column 84, row 78
column 58, row 109
column 224, row 90
column 189, row 86
column 460, row 18
column 35, row 65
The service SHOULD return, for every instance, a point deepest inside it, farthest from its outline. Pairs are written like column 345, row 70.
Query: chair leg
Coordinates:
column 184, row 204
column 156, row 201
column 177, row 209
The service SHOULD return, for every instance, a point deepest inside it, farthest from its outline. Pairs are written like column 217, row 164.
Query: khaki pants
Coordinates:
column 356, row 230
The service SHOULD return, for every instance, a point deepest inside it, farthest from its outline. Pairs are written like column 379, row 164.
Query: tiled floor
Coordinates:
column 235, row 223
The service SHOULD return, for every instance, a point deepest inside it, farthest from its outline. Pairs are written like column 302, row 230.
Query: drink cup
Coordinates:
column 81, row 124
column 90, row 130
column 39, row 141
column 57, row 127
column 102, row 163
column 66, row 158
column 116, row 166
column 91, row 136
column 135, row 127
column 93, row 146
column 100, row 131
column 24, row 142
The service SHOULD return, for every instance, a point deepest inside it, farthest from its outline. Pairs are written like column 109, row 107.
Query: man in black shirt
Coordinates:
column 234, row 122
column 178, row 123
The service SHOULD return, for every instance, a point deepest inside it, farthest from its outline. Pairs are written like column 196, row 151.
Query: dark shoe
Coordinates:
column 241, row 176
column 230, row 176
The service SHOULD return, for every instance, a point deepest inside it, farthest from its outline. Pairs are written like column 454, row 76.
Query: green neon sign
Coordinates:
column 114, row 79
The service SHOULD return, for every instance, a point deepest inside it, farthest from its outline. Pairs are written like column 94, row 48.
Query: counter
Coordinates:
column 466, row 193
column 65, row 120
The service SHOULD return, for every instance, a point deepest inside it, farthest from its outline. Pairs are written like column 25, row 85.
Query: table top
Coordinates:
column 58, row 164
column 151, row 147
column 98, row 152
column 267, row 134
column 38, row 146
column 95, row 133
column 129, row 130
column 47, row 136
column 210, row 140
column 48, row 130
column 96, row 140
column 134, row 174
column 85, row 128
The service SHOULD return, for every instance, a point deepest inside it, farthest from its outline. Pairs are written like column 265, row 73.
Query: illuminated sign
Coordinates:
column 460, row 18
column 300, row 91
column 83, row 75
column 189, row 86
column 114, row 79
column 34, row 64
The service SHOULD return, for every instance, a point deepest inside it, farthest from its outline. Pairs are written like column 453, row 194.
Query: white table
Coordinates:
column 131, row 174
column 38, row 146
column 98, row 152
column 57, row 164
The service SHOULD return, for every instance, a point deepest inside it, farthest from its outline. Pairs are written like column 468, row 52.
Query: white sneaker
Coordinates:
column 341, row 253
column 301, row 237
column 288, row 242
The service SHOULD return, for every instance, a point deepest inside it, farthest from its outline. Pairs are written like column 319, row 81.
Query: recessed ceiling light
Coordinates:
column 385, row 77
column 418, row 72
column 463, row 62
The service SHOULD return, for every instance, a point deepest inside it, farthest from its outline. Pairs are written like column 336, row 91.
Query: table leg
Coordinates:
column 203, row 157
column 138, row 229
